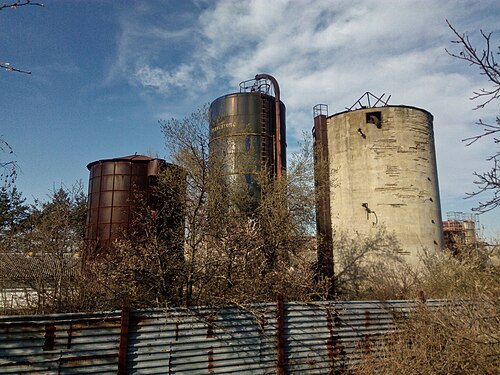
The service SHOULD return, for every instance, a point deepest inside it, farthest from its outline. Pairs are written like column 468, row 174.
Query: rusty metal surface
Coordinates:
column 317, row 338
column 124, row 334
column 116, row 187
column 280, row 335
column 277, row 108
column 59, row 344
column 325, row 337
column 243, row 134
column 322, row 190
column 201, row 341
column 119, row 189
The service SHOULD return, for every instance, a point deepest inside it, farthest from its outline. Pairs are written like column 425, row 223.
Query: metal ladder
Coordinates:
column 264, row 135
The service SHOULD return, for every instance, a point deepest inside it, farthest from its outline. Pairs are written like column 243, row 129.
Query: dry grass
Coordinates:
column 463, row 338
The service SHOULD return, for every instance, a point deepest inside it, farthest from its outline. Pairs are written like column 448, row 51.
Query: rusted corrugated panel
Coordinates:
column 201, row 341
column 60, row 343
column 318, row 338
column 324, row 337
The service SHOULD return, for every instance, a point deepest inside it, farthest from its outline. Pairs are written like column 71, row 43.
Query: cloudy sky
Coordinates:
column 104, row 73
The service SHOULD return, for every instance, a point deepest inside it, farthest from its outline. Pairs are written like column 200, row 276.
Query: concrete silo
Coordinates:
column 248, row 135
column 377, row 166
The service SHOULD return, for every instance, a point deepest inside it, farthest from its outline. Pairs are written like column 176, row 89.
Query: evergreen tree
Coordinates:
column 13, row 210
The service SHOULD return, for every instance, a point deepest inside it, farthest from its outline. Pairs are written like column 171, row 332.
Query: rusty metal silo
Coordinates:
column 119, row 189
column 248, row 133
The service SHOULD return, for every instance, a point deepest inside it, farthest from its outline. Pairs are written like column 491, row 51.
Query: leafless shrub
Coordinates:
column 468, row 275
column 462, row 338
column 367, row 266
column 239, row 246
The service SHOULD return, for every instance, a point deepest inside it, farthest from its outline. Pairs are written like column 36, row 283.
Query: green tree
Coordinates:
column 43, row 255
column 13, row 210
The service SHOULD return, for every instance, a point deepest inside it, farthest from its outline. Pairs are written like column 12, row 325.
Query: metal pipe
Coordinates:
column 280, row 335
column 278, row 162
column 123, row 347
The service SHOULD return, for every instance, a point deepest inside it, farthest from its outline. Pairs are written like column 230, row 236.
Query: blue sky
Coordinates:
column 105, row 72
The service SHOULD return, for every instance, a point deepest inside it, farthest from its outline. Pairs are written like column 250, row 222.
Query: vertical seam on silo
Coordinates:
column 111, row 223
column 99, row 203
column 130, row 200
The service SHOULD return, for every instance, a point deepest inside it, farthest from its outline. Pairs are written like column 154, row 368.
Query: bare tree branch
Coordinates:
column 10, row 68
column 14, row 5
column 8, row 169
column 488, row 130
column 486, row 182
column 17, row 4
column 484, row 60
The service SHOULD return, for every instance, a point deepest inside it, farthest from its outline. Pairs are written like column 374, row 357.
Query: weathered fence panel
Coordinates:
column 59, row 344
column 201, row 341
column 291, row 338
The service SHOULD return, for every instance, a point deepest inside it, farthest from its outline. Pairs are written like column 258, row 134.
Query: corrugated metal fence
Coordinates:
column 63, row 343
column 282, row 338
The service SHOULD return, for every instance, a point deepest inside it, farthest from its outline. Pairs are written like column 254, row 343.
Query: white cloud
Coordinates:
column 163, row 80
column 148, row 47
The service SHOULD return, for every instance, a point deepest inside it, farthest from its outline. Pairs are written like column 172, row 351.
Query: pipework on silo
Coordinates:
column 385, row 175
